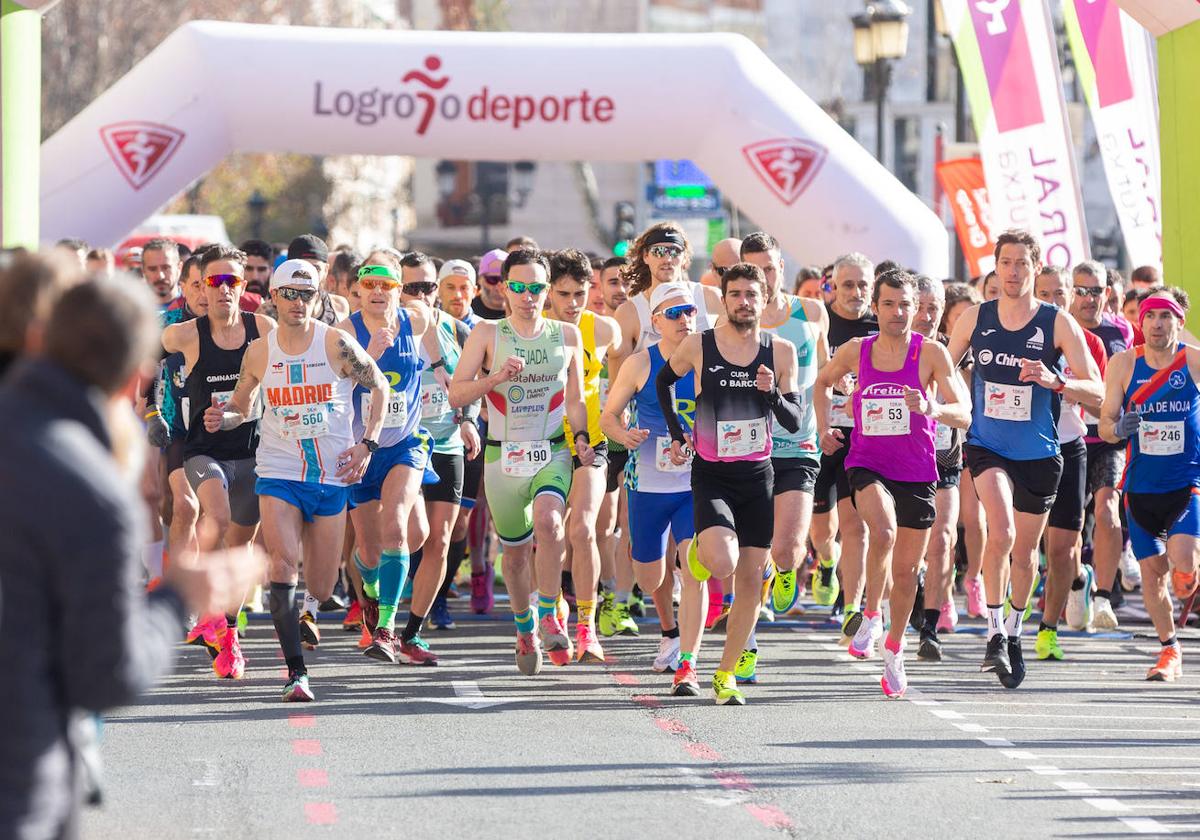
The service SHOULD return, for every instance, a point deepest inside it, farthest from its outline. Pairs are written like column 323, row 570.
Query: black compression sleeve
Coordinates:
column 662, row 388
column 786, row 408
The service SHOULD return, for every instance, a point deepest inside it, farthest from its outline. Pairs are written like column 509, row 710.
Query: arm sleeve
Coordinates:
column 786, row 408
column 662, row 389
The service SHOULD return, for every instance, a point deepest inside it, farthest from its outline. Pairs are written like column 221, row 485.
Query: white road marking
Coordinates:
column 1145, row 825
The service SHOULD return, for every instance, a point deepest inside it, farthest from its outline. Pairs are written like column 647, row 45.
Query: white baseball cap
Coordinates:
column 462, row 267
column 669, row 291
column 295, row 273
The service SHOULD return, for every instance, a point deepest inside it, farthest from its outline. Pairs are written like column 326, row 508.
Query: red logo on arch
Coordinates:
column 140, row 149
column 786, row 165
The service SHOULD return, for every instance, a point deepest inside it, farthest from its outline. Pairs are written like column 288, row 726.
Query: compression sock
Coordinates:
column 524, row 620
column 995, row 617
column 547, row 604
column 286, row 619
column 370, row 578
column 393, row 569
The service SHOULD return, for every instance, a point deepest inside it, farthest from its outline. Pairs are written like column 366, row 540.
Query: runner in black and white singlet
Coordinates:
column 731, row 472
column 307, row 456
column 220, row 465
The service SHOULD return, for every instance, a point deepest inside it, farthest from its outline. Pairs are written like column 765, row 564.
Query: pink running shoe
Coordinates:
column 482, row 590
column 529, row 654
column 948, row 620
column 587, row 644
column 416, row 652
column 976, row 606
column 229, row 664
column 555, row 640
column 894, row 681
column 207, row 631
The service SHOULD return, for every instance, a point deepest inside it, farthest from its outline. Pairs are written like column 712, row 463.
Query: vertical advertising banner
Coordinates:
column 1009, row 63
column 963, row 182
column 1114, row 63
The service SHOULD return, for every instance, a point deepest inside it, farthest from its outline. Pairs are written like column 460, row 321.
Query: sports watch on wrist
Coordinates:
column 371, row 445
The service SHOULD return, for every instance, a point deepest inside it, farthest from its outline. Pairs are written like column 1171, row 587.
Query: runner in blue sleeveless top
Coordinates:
column 1152, row 400
column 1012, row 445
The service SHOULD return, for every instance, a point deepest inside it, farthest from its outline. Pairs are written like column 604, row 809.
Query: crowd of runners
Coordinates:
column 605, row 434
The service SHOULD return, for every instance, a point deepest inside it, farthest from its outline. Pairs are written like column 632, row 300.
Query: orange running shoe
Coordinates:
column 1184, row 584
column 1169, row 666
column 587, row 645
column 207, row 631
column 555, row 640
column 353, row 619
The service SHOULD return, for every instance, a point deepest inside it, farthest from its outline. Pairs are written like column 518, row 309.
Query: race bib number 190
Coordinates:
column 524, row 458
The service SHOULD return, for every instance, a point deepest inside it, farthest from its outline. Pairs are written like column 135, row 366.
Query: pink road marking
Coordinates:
column 320, row 813
column 703, row 751
column 672, row 726
column 648, row 700
column 303, row 746
column 731, row 780
column 301, row 720
column 625, row 679
column 312, row 778
column 769, row 815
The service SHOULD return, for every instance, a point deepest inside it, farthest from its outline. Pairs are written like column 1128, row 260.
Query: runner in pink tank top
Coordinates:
column 892, row 465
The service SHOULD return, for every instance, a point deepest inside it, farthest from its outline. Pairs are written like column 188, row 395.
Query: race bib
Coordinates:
column 1160, row 438
column 435, row 402
column 1007, row 402
column 884, row 417
column 524, row 458
column 736, row 438
column 662, row 459
column 945, row 437
column 301, row 422
column 840, row 414
column 603, row 391
column 395, row 412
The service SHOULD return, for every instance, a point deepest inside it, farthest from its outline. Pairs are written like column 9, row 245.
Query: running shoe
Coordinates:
column 685, row 683
column 976, row 605
column 309, row 634
column 605, row 619
column 529, row 654
column 784, row 592
column 364, row 641
column 1103, row 617
column 230, row 664
column 439, row 615
column 996, row 656
column 587, row 646
column 916, row 616
column 1184, row 584
column 555, row 640
column 930, row 648
column 715, row 612
column 851, row 623
column 483, row 590
column 676, row 588
column 725, row 690
column 383, row 646
column 1169, row 666
column 894, row 681
column 825, row 585
column 370, row 614
column 862, row 646
column 637, row 604
column 243, row 621
column 668, row 655
column 743, row 671
column 1047, row 647
column 207, row 631
column 353, row 619
column 1079, row 602
column 297, row 690
column 622, row 622
column 765, row 613
column 948, row 620
column 1016, row 665
column 416, row 652
column 1131, row 570
column 693, row 560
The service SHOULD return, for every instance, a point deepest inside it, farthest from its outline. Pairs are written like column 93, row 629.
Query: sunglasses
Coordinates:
column 718, row 270
column 519, row 288
column 297, row 294
column 218, row 280
column 377, row 271
column 491, row 279
column 674, row 313
column 1089, row 291
column 372, row 283
column 419, row 288
column 664, row 251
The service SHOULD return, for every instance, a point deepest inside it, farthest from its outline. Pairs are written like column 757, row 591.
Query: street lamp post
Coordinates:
column 960, row 118
column 880, row 37
column 257, row 205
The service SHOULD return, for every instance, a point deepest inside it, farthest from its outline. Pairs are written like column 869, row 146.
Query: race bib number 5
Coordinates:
column 1007, row 402
column 737, row 438
column 884, row 417
column 524, row 458
column 1161, row 438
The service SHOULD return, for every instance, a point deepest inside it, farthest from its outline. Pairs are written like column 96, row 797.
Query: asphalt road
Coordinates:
column 1085, row 748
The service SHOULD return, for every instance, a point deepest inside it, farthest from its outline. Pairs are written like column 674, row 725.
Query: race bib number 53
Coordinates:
column 884, row 417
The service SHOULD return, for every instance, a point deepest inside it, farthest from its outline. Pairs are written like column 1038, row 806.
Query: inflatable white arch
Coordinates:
column 215, row 88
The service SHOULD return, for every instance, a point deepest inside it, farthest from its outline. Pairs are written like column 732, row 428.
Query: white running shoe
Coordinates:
column 1131, row 570
column 676, row 588
column 1103, row 617
column 862, row 646
column 1080, row 610
column 668, row 655
column 894, row 681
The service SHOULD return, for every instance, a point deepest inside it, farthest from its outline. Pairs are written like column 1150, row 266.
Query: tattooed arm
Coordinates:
column 353, row 362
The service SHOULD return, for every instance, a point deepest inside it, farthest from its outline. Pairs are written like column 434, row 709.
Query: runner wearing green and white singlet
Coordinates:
column 535, row 380
column 794, row 455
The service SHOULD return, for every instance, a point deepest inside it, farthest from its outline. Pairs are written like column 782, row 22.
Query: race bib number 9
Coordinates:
column 1007, row 402
column 662, row 459
column 884, row 417
column 737, row 438
column 524, row 458
column 395, row 411
column 840, row 415
column 302, row 422
column 1161, row 438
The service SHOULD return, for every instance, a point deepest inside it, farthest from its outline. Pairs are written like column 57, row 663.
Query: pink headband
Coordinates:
column 1159, row 303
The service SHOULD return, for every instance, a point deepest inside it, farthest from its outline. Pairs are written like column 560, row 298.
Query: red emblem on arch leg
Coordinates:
column 140, row 149
column 786, row 165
